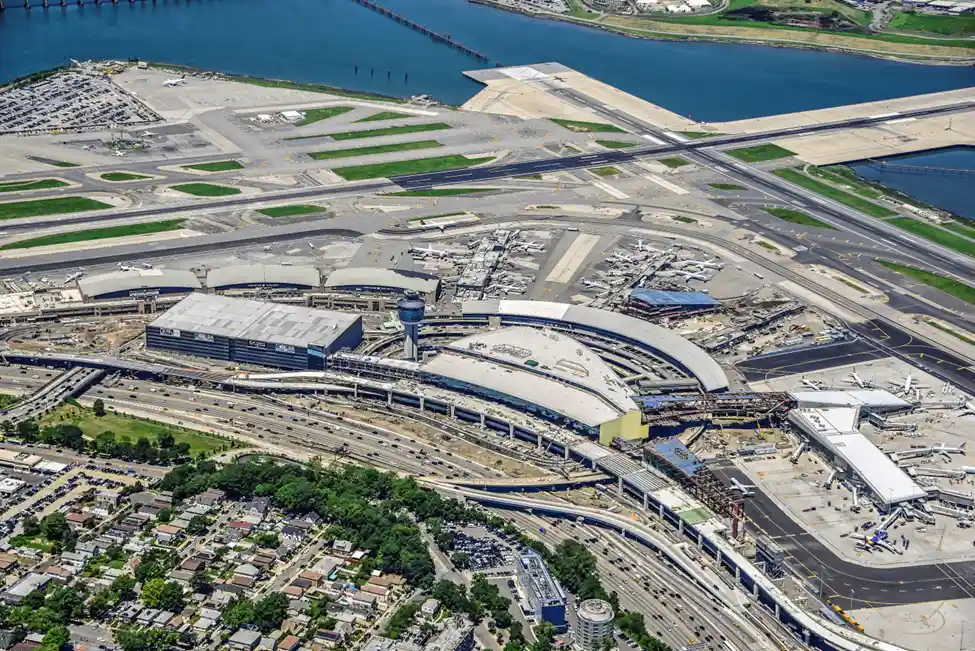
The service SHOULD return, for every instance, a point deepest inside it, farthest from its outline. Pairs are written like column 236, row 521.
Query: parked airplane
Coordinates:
column 854, row 378
column 968, row 409
column 424, row 252
column 73, row 277
column 744, row 489
column 310, row 245
column 119, row 152
column 594, row 284
column 645, row 248
column 693, row 275
column 812, row 384
column 909, row 386
column 146, row 265
column 621, row 257
column 174, row 82
column 148, row 134
column 506, row 289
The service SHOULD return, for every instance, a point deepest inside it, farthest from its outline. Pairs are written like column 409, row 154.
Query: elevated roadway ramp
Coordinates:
column 530, row 484
column 812, row 631
column 64, row 387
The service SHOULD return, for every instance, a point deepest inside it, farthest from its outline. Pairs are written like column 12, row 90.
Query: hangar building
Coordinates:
column 655, row 303
column 138, row 283
column 253, row 332
column 255, row 276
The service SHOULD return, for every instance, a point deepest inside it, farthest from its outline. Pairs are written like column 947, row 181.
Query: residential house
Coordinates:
column 239, row 529
column 212, row 497
column 256, row 508
column 19, row 590
column 363, row 602
column 244, row 640
column 77, row 520
column 193, row 564
column 430, row 607
column 381, row 592
column 342, row 547
column 314, row 579
column 247, row 571
column 167, row 533
column 289, row 643
column 76, row 558
column 147, row 616
column 293, row 591
column 8, row 563
column 108, row 500
column 164, row 618
column 388, row 580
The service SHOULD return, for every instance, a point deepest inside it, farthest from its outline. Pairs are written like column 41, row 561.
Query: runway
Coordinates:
column 848, row 584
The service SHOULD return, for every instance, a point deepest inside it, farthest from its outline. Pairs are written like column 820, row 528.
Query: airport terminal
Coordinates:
column 603, row 326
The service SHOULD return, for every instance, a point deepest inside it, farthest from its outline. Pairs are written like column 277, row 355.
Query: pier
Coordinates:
column 435, row 36
column 920, row 169
column 45, row 4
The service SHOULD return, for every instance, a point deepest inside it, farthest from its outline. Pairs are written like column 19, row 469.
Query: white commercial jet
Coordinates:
column 744, row 489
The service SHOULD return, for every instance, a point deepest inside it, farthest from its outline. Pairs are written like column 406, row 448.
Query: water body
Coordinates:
column 953, row 193
column 323, row 40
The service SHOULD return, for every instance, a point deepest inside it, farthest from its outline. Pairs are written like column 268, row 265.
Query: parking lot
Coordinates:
column 69, row 101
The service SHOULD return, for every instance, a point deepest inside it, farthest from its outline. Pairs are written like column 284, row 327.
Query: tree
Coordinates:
column 545, row 636
column 238, row 612
column 55, row 527
column 270, row 611
column 68, row 603
column 99, row 407
column 55, row 639
column 200, row 582
column 133, row 638
column 157, row 593
column 27, row 431
column 461, row 560
column 31, row 526
column 165, row 440
column 198, row 525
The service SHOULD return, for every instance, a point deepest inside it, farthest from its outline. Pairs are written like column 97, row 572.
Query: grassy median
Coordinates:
column 97, row 234
column 726, row 186
column 42, row 207
column 123, row 176
column 416, row 166
column 39, row 184
column 288, row 211
column 609, row 170
column 378, row 133
column 318, row 114
column 961, row 228
column 951, row 286
column 587, row 127
column 760, row 153
column 934, row 234
column 375, row 149
column 615, row 144
column 385, row 115
column 797, row 217
column 205, row 189
column 673, row 162
column 851, row 200
column 217, row 166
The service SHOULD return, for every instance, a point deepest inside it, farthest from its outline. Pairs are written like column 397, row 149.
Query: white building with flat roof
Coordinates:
column 835, row 431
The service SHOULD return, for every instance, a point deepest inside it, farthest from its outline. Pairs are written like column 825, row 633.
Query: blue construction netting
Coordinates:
column 686, row 299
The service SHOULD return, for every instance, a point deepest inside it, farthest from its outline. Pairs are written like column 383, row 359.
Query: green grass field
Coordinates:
column 935, row 234
column 907, row 21
column 685, row 220
column 726, row 186
column 440, row 192
column 375, row 149
column 217, row 166
column 953, row 333
column 673, row 162
column 42, row 207
column 429, row 217
column 851, row 200
column 845, row 177
column 288, row 211
column 760, row 153
column 797, row 217
column 318, row 114
column 615, row 144
column 389, row 131
column 39, row 542
column 61, row 163
column 123, row 176
column 609, row 170
column 7, row 400
column 697, row 135
column 961, row 228
column 587, row 127
column 385, row 115
column 948, row 285
column 416, row 166
column 135, row 428
column 39, row 184
column 97, row 234
column 205, row 189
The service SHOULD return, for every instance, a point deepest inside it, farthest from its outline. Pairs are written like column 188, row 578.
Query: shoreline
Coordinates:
column 771, row 41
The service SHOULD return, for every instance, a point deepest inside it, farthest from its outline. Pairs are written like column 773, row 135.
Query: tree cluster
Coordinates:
column 54, row 528
column 164, row 449
column 265, row 614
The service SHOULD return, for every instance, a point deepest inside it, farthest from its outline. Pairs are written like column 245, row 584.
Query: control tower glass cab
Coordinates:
column 410, row 310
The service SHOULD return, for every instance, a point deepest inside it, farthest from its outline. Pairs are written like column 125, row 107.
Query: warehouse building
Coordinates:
column 369, row 280
column 263, row 276
column 253, row 332
column 138, row 283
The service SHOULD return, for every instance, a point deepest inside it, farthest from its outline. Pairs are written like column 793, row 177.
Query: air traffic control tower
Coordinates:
column 410, row 310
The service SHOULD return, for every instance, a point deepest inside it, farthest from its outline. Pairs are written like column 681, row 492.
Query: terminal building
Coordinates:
column 369, row 280
column 263, row 276
column 658, row 304
column 253, row 332
column 544, row 594
column 138, row 283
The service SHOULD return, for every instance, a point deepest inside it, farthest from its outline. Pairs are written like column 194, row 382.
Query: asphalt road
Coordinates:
column 848, row 584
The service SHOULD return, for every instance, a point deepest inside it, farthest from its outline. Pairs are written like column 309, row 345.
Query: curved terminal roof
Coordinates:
column 394, row 280
column 551, row 354
column 135, row 280
column 253, row 275
column 661, row 341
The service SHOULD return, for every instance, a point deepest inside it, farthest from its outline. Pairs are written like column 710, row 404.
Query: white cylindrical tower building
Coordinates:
column 594, row 624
